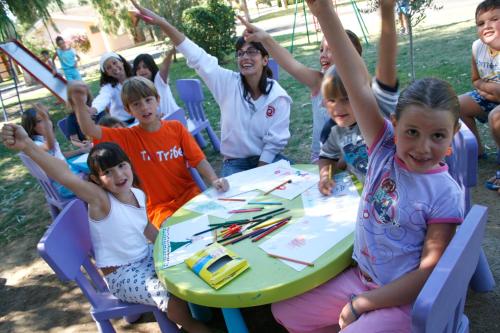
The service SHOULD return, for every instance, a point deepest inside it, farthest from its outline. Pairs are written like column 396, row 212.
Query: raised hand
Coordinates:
column 79, row 95
column 14, row 136
column 252, row 33
column 318, row 6
column 148, row 16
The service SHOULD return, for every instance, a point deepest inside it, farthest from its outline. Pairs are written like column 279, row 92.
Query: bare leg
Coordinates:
column 178, row 312
column 468, row 111
column 494, row 122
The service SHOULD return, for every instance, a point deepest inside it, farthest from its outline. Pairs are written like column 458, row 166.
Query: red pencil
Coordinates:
column 274, row 188
column 291, row 259
column 271, row 229
column 230, row 199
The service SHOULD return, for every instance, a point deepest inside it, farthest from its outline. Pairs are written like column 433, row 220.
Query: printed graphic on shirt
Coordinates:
column 355, row 152
column 384, row 202
column 163, row 155
column 270, row 111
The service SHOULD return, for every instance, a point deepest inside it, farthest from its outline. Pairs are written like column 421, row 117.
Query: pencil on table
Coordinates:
column 271, row 229
column 329, row 172
column 230, row 199
column 291, row 259
column 276, row 187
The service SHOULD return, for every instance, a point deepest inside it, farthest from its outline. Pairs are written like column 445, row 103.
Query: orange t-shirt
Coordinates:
column 159, row 160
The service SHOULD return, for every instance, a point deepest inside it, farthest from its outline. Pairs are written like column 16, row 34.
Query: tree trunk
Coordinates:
column 412, row 55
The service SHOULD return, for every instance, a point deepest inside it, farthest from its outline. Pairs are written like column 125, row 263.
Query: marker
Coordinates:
column 291, row 259
column 275, row 188
column 265, row 203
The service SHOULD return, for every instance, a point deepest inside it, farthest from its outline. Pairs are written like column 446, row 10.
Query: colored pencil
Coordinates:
column 249, row 210
column 268, row 217
column 269, row 212
column 329, row 172
column 291, row 259
column 265, row 203
column 207, row 230
column 230, row 199
column 271, row 229
column 268, row 223
column 144, row 17
column 276, row 187
column 236, row 240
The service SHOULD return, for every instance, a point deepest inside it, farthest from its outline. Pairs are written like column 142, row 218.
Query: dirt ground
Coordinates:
column 32, row 299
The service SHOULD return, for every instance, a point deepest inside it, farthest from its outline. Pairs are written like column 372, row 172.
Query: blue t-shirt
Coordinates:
column 67, row 58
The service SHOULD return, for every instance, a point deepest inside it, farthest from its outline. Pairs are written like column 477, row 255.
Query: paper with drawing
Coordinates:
column 178, row 242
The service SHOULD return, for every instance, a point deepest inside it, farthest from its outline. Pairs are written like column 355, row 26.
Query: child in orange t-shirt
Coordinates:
column 159, row 150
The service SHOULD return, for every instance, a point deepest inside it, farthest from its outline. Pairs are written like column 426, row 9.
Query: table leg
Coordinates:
column 234, row 321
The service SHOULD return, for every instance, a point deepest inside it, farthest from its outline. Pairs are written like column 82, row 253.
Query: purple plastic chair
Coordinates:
column 440, row 305
column 180, row 116
column 192, row 95
column 463, row 168
column 62, row 124
column 54, row 200
column 275, row 68
column 66, row 247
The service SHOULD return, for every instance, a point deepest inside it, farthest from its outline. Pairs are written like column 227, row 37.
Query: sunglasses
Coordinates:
column 251, row 52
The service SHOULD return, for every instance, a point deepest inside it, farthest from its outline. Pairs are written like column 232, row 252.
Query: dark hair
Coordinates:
column 486, row 6
column 432, row 94
column 265, row 86
column 28, row 122
column 148, row 61
column 105, row 78
column 332, row 86
column 59, row 38
column 106, row 155
column 109, row 121
column 355, row 41
column 44, row 52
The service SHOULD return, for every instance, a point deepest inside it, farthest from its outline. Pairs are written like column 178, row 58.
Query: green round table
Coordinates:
column 268, row 280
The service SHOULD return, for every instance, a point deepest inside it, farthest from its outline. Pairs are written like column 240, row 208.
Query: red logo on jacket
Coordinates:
column 270, row 111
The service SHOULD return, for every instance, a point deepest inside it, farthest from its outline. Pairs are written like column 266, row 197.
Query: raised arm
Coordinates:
column 352, row 70
column 150, row 17
column 165, row 65
column 50, row 138
column 15, row 137
column 78, row 103
column 387, row 50
column 305, row 75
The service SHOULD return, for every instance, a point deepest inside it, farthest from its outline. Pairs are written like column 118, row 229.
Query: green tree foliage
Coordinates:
column 25, row 11
column 212, row 27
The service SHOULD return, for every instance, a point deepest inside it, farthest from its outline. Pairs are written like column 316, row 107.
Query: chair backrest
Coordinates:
column 67, row 248
column 62, row 124
column 439, row 306
column 51, row 194
column 191, row 93
column 462, row 163
column 178, row 115
column 275, row 68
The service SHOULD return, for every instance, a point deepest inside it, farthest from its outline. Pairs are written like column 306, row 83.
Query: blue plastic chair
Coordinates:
column 440, row 305
column 54, row 200
column 180, row 116
column 67, row 248
column 62, row 124
column 275, row 68
column 192, row 95
column 463, row 168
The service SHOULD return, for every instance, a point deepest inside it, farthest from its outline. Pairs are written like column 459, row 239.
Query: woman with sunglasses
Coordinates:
column 255, row 109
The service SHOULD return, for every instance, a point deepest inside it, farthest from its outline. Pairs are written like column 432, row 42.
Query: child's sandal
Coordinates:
column 490, row 185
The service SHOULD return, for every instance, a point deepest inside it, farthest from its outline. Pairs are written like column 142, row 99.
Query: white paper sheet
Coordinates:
column 208, row 203
column 308, row 238
column 344, row 200
column 81, row 159
column 300, row 181
column 181, row 233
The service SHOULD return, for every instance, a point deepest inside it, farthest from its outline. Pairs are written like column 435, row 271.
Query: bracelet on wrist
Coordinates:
column 351, row 307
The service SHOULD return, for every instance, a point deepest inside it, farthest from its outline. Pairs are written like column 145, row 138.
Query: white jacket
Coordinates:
column 261, row 129
column 110, row 97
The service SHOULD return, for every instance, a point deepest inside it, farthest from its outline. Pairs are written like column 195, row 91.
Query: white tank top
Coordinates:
column 118, row 239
